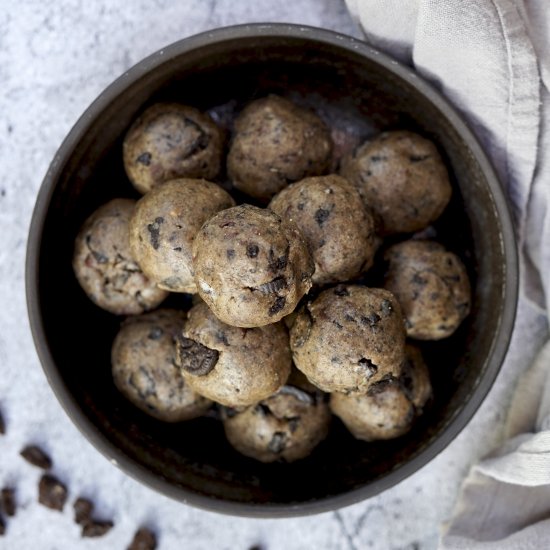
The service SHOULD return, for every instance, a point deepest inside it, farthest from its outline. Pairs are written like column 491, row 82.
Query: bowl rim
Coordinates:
column 268, row 510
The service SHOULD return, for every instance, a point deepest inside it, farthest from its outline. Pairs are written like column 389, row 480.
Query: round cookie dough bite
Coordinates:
column 348, row 338
column 338, row 229
column 276, row 142
column 233, row 366
column 169, row 141
column 402, row 177
column 104, row 266
column 143, row 367
column 164, row 225
column 286, row 426
column 431, row 285
column 389, row 407
column 251, row 267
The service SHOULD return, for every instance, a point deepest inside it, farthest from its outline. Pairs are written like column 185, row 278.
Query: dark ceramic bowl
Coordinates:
column 358, row 90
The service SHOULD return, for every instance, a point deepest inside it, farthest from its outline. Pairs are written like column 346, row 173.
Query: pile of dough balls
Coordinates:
column 282, row 334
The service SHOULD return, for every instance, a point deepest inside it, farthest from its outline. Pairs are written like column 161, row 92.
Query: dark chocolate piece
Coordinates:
column 144, row 539
column 341, row 291
column 37, row 457
column 154, row 232
column 321, row 216
column 96, row 528
column 195, row 358
column 144, row 158
column 277, row 305
column 275, row 285
column 370, row 368
column 252, row 250
column 8, row 501
column 52, row 493
column 83, row 509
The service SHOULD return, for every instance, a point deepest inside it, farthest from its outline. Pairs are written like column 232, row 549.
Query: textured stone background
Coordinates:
column 55, row 58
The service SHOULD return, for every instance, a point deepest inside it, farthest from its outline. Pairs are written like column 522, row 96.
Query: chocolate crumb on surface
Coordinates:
column 321, row 216
column 144, row 539
column 2, row 425
column 196, row 358
column 277, row 305
column 37, row 457
column 8, row 501
column 52, row 493
column 144, row 158
column 83, row 509
column 2, row 526
column 96, row 528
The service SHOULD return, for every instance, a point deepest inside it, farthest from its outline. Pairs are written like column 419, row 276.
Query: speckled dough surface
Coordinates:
column 384, row 412
column 164, row 225
column 431, row 285
column 348, row 338
column 104, row 266
column 401, row 176
column 233, row 366
column 276, row 142
column 338, row 229
column 144, row 369
column 286, row 426
column 251, row 268
column 169, row 141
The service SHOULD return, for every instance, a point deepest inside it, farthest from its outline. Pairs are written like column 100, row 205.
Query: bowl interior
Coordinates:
column 355, row 94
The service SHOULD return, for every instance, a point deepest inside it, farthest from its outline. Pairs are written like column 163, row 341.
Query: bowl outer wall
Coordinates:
column 509, row 291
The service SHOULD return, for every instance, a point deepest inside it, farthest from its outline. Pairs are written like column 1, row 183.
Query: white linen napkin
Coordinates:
column 491, row 58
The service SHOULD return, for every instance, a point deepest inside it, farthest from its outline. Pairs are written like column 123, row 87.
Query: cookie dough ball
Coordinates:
column 348, row 338
column 233, row 366
column 384, row 412
column 170, row 141
column 338, row 229
column 144, row 370
column 286, row 426
column 415, row 378
column 104, row 265
column 431, row 285
column 276, row 142
column 251, row 268
column 164, row 225
column 401, row 176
